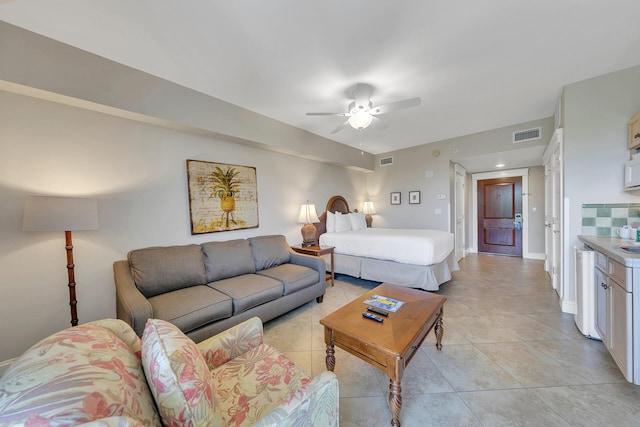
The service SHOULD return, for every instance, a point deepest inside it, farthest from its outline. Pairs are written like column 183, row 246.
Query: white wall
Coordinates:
column 596, row 113
column 409, row 172
column 137, row 172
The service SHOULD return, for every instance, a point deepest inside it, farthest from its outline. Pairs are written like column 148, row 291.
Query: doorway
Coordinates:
column 524, row 175
column 500, row 216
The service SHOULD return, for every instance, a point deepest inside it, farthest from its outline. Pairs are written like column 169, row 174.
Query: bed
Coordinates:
column 422, row 259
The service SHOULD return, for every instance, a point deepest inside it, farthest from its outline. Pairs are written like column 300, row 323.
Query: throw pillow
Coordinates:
column 343, row 223
column 331, row 222
column 178, row 376
column 269, row 251
column 357, row 221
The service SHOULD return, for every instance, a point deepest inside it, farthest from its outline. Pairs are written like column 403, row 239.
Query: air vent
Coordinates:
column 386, row 161
column 526, row 135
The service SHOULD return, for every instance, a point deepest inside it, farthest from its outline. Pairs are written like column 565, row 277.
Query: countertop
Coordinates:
column 610, row 246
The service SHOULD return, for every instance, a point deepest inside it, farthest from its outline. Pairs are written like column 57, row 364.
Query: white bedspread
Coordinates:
column 420, row 247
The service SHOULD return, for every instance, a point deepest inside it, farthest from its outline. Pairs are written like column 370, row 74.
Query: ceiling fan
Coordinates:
column 362, row 113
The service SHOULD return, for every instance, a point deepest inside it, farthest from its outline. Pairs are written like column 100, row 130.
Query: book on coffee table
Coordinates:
column 384, row 303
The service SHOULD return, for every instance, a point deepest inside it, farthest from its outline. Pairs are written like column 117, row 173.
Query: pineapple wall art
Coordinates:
column 222, row 197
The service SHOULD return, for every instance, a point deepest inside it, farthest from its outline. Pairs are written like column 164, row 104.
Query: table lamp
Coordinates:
column 307, row 217
column 368, row 210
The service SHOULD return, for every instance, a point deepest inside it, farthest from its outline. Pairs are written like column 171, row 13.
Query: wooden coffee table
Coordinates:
column 389, row 345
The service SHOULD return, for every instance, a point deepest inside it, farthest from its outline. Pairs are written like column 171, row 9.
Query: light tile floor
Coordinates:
column 510, row 357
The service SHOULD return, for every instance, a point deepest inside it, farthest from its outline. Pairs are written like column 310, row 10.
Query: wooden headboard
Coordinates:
column 335, row 204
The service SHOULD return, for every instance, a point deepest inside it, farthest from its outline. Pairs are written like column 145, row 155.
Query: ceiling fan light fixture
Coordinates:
column 360, row 118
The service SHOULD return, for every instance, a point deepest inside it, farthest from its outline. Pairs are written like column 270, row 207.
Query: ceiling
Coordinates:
column 476, row 65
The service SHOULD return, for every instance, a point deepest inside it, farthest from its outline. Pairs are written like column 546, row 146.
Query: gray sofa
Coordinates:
column 205, row 289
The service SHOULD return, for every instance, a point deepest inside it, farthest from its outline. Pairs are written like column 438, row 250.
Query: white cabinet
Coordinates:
column 602, row 325
column 614, row 313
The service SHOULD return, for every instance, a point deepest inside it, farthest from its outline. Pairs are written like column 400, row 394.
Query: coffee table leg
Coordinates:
column 331, row 359
column 439, row 329
column 395, row 402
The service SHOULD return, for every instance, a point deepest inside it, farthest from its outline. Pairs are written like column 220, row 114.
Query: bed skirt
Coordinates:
column 428, row 277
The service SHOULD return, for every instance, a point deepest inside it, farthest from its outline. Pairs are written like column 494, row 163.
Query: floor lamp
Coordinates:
column 62, row 214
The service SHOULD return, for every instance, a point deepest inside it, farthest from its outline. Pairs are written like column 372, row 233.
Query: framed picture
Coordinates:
column 414, row 197
column 222, row 197
column 395, row 198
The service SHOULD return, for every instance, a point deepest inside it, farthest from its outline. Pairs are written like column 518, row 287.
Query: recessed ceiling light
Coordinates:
column 500, row 165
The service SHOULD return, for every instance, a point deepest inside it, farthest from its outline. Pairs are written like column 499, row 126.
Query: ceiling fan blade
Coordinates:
column 328, row 114
column 362, row 95
column 339, row 128
column 379, row 124
column 394, row 106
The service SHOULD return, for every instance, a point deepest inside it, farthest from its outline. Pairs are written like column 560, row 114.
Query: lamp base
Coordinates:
column 308, row 235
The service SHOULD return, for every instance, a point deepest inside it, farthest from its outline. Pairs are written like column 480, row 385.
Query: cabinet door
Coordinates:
column 601, row 283
column 620, row 328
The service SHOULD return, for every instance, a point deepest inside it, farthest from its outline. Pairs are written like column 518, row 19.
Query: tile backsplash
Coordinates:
column 605, row 219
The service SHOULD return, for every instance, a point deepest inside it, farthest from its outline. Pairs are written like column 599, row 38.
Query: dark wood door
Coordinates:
column 499, row 206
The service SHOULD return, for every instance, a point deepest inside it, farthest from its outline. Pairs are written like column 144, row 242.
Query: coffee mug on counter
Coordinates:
column 626, row 232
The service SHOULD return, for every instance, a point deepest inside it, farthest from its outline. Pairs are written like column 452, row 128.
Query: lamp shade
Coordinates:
column 42, row 213
column 368, row 208
column 308, row 214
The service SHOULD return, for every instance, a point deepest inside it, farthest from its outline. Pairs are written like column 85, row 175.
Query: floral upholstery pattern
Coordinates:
column 113, row 422
column 78, row 375
column 101, row 375
column 178, row 376
column 227, row 345
column 257, row 385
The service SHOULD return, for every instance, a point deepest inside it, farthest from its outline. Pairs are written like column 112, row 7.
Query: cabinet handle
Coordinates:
column 604, row 285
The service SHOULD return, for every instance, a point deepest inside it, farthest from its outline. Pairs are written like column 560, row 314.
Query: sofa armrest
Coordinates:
column 131, row 305
column 316, row 404
column 317, row 263
column 233, row 342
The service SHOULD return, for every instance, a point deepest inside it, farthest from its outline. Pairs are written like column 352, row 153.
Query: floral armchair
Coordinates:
column 233, row 379
column 102, row 374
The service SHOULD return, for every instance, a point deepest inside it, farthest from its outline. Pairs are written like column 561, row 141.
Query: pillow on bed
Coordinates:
column 343, row 223
column 357, row 221
column 331, row 222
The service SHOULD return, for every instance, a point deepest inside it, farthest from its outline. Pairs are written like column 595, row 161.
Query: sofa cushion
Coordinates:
column 269, row 251
column 249, row 290
column 190, row 308
column 254, row 383
column 294, row 277
column 75, row 376
column 178, row 376
column 164, row 269
column 227, row 259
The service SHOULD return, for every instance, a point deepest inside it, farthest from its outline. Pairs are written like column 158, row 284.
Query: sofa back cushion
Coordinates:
column 178, row 376
column 159, row 270
column 75, row 376
column 269, row 251
column 227, row 259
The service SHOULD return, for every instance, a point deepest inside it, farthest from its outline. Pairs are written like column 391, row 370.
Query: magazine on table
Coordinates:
column 384, row 303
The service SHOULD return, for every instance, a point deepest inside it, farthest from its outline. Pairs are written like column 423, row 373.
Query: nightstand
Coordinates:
column 318, row 251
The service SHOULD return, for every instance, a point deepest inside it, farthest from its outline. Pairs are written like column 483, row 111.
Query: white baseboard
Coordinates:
column 568, row 307
column 5, row 364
